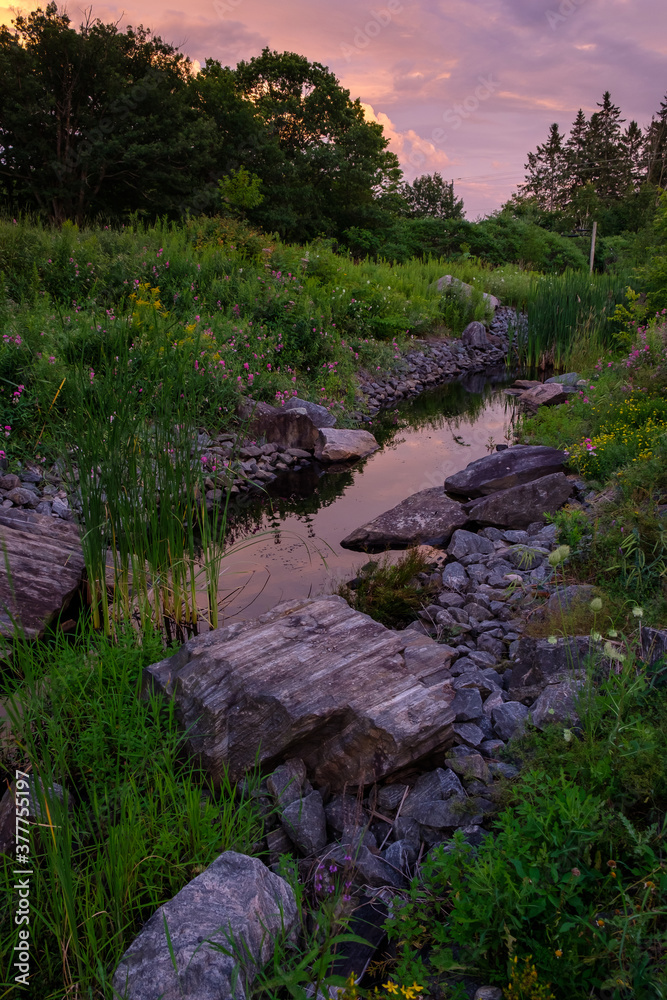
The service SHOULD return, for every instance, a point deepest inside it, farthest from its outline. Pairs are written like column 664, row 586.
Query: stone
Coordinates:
column 292, row 429
column 465, row 543
column 429, row 517
column 286, row 781
column 467, row 705
column 521, row 505
column 557, row 704
column 491, row 644
column 509, row 719
column 319, row 415
column 526, row 557
column 539, row 662
column 491, row 747
column 565, row 598
column 311, row 678
column 345, row 811
column 235, row 897
column 653, row 645
column 371, row 869
column 465, row 289
column 344, row 445
column 488, row 993
column 41, row 807
column 469, row 733
column 570, row 378
column 543, row 395
column 390, row 797
column 407, row 829
column 505, row 469
column 400, row 855
column 471, row 766
column 441, row 815
column 9, row 482
column 475, row 335
column 501, row 770
column 305, row 823
column 448, row 600
column 454, row 577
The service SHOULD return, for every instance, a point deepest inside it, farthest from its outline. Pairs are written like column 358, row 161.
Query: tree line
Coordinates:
column 598, row 166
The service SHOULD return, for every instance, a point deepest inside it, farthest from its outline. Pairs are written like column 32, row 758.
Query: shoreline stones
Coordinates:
column 510, row 467
column 426, row 518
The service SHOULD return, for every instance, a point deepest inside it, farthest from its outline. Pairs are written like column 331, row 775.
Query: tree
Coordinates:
column 610, row 174
column 656, row 147
column 546, row 172
column 332, row 159
column 429, row 196
column 94, row 119
column 577, row 155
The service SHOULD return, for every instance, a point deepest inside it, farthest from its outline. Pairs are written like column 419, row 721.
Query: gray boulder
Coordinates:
column 521, row 505
column 465, row 543
column 319, row 415
column 311, row 678
column 570, row 378
column 539, row 662
column 565, row 598
column 543, row 395
column 654, row 645
column 305, row 823
column 334, row 445
column 467, row 705
column 509, row 719
column 454, row 577
column 475, row 335
column 286, row 781
column 505, row 469
column 557, row 703
column 426, row 518
column 236, row 898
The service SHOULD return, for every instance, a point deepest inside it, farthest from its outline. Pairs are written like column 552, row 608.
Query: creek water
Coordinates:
column 285, row 543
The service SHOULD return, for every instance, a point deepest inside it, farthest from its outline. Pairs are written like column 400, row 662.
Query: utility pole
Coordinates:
column 593, row 239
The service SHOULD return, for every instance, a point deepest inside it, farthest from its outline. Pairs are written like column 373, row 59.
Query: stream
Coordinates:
column 285, row 543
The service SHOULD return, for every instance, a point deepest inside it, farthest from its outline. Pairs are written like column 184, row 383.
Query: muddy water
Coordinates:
column 286, row 544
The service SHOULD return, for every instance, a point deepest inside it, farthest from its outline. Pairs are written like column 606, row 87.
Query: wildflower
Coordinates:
column 552, row 640
column 391, row 987
column 567, row 735
column 558, row 953
column 613, row 654
column 638, row 612
column 576, row 872
column 596, row 604
column 559, row 555
column 596, row 637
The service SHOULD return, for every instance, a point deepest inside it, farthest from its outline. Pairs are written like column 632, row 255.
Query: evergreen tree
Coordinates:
column 577, row 155
column 656, row 147
column 634, row 145
column 606, row 151
column 546, row 172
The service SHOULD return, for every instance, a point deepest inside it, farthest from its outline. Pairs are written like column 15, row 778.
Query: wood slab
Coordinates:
column 41, row 568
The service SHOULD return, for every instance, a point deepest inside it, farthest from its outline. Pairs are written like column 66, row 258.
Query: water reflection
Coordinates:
column 289, row 537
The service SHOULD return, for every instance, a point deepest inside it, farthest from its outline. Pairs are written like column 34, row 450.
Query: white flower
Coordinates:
column 596, row 637
column 559, row 555
column 552, row 640
column 567, row 735
column 612, row 633
column 638, row 612
column 612, row 653
column 596, row 604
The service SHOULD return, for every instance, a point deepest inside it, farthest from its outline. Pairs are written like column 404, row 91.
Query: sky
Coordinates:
column 462, row 87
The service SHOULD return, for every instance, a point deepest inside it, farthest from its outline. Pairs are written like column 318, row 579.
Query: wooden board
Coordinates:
column 41, row 568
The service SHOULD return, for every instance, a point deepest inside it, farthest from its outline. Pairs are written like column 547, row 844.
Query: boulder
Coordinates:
column 236, row 897
column 344, row 445
column 509, row 719
column 428, row 517
column 505, row 469
column 543, row 395
column 566, row 598
column 475, row 335
column 654, row 645
column 557, row 703
column 454, row 577
column 539, row 662
column 522, row 505
column 305, row 823
column 465, row 543
column 292, row 429
column 311, row 679
column 319, row 415
column 448, row 281
column 569, row 378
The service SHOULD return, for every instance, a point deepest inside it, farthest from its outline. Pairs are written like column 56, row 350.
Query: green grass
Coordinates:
column 139, row 819
column 389, row 592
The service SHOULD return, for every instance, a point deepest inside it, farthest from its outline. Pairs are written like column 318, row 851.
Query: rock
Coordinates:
column 465, row 543
column 41, row 807
column 471, row 766
column 491, row 747
column 292, row 429
column 521, row 505
column 257, row 416
column 506, row 469
column 400, row 855
column 565, row 598
column 488, row 993
column 305, row 824
column 654, row 645
column 20, row 496
column 428, row 517
column 557, row 703
column 570, row 378
column 539, row 662
column 345, row 812
column 311, row 678
column 475, row 335
column 509, row 719
column 371, row 869
column 543, row 395
column 343, row 445
column 454, row 577
column 469, row 733
column 467, row 705
column 526, row 557
column 236, row 896
column 286, row 781
column 465, row 290
column 9, row 482
column 319, row 415
column 390, row 797
column 441, row 815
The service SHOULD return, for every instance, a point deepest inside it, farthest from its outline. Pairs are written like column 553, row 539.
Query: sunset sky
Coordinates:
column 512, row 67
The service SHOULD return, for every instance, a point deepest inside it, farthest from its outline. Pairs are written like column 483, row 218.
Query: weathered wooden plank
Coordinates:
column 41, row 568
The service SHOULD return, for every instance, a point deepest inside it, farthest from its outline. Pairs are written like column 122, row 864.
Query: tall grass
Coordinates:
column 137, row 820
column 568, row 315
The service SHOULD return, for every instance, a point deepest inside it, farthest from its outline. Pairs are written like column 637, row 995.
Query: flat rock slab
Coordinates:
column 522, row 505
column 236, row 897
column 319, row 415
column 344, row 445
column 426, row 518
column 504, row 469
column 311, row 679
column 46, row 568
